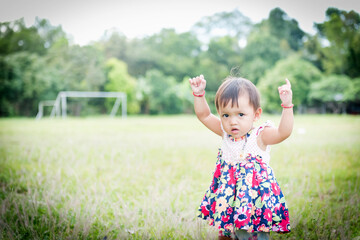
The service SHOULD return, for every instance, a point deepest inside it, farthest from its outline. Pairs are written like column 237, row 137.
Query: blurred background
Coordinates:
column 149, row 50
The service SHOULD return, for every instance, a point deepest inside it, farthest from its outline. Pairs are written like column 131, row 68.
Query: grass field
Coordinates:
column 144, row 177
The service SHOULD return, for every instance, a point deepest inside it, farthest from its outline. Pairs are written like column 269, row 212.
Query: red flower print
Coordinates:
column 217, row 171
column 243, row 218
column 239, row 223
column 265, row 196
column 275, row 188
column 257, row 221
column 283, row 225
column 256, row 179
column 232, row 180
column 213, row 187
column 225, row 218
column 204, row 211
column 229, row 211
column 268, row 215
column 286, row 213
column 258, row 212
column 213, row 205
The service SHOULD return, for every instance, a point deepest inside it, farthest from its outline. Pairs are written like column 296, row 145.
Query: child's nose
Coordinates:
column 233, row 120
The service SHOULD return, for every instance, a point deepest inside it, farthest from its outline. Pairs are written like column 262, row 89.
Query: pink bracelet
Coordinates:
column 200, row 95
column 292, row 105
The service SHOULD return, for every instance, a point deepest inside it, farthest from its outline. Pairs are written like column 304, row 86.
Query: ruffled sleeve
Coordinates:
column 268, row 123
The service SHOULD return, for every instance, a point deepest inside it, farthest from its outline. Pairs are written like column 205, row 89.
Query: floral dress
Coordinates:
column 244, row 193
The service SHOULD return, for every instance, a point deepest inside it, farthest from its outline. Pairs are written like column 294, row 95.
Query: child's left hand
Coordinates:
column 285, row 93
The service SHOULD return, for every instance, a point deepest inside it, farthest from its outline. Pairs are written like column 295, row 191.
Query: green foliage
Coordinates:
column 115, row 46
column 269, row 41
column 225, row 51
column 282, row 27
column 352, row 93
column 173, row 53
column 164, row 95
column 21, row 83
column 37, row 62
column 167, row 51
column 260, row 54
column 330, row 89
column 214, row 73
column 16, row 37
column 121, row 81
column 24, row 69
column 233, row 24
column 341, row 29
column 300, row 73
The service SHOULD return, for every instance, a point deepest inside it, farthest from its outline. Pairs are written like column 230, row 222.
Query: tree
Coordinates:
column 342, row 30
column 352, row 96
column 283, row 27
column 172, row 53
column 300, row 73
column 269, row 41
column 352, row 93
column 214, row 72
column 233, row 24
column 17, row 76
column 224, row 50
column 330, row 90
column 16, row 37
column 119, row 80
column 26, row 73
column 115, row 46
column 163, row 96
column 260, row 54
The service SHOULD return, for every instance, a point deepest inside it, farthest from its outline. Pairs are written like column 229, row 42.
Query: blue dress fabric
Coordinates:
column 244, row 193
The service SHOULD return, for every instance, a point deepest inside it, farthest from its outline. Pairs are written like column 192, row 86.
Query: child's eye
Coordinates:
column 241, row 114
column 225, row 115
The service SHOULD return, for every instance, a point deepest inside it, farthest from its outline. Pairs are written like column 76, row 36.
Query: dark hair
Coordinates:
column 232, row 88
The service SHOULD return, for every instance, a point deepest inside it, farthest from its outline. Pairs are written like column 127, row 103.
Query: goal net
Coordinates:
column 60, row 104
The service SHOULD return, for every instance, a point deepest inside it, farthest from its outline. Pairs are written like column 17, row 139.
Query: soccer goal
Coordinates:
column 60, row 104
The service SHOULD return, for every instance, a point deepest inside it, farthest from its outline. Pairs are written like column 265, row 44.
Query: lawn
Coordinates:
column 144, row 177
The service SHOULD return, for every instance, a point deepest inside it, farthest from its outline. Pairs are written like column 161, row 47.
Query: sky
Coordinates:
column 87, row 20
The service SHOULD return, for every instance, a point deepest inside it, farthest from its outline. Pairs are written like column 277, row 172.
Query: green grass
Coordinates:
column 144, row 177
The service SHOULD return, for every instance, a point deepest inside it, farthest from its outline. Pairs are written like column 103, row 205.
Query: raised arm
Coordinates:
column 201, row 107
column 272, row 136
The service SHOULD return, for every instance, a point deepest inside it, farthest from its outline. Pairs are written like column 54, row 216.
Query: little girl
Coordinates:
column 244, row 197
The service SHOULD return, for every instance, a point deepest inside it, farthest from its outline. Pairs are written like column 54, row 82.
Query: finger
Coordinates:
column 197, row 80
column 288, row 82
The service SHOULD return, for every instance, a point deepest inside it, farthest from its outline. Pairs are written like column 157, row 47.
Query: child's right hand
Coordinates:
column 285, row 93
column 198, row 84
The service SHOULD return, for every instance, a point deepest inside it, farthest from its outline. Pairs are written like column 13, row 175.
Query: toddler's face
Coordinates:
column 237, row 120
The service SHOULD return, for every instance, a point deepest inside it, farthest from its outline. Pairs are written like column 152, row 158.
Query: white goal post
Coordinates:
column 60, row 104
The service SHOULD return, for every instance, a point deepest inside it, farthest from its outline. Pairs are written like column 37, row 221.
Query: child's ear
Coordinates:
column 258, row 114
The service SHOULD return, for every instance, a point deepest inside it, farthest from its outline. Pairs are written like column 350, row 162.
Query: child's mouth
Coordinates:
column 234, row 130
